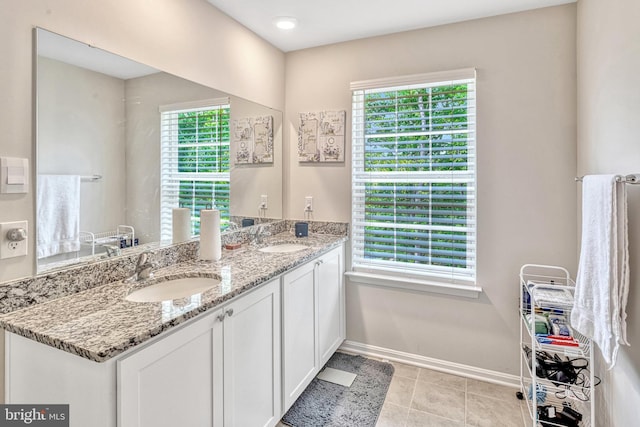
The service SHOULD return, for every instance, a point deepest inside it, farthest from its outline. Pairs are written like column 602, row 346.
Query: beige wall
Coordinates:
column 188, row 38
column 608, row 46
column 526, row 165
column 81, row 131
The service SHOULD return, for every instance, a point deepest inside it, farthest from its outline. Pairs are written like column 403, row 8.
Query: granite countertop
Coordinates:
column 99, row 323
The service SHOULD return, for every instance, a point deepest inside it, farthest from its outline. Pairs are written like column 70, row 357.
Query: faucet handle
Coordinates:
column 143, row 258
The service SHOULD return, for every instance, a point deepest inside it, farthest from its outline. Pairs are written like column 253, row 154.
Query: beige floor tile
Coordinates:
column 484, row 411
column 526, row 415
column 406, row 371
column 423, row 419
column 392, row 415
column 400, row 391
column 439, row 400
column 495, row 391
column 440, row 378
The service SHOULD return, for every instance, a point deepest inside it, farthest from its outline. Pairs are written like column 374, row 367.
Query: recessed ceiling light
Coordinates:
column 286, row 22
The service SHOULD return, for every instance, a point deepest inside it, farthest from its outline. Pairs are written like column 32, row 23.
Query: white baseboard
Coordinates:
column 430, row 363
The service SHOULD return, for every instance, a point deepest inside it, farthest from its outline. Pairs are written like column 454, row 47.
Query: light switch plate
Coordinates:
column 14, row 175
column 9, row 249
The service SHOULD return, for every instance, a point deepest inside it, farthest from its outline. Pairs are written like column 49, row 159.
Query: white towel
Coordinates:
column 58, row 216
column 602, row 284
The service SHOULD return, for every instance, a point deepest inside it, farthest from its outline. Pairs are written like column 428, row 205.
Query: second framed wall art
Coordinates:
column 321, row 136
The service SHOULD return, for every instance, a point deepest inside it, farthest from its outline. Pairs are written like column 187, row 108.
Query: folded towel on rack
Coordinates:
column 602, row 283
column 58, row 216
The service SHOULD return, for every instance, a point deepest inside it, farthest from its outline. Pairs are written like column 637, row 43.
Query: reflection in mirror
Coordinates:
column 121, row 144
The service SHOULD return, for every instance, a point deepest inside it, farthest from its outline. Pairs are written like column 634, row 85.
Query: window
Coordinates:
column 194, row 161
column 414, row 198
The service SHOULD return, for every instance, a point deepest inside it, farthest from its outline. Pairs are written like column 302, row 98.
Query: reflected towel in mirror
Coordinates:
column 58, row 216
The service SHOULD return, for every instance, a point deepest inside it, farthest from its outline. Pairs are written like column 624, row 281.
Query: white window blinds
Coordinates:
column 414, row 198
column 194, row 160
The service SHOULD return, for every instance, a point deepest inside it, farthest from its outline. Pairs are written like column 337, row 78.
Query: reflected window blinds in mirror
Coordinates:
column 194, row 161
column 99, row 113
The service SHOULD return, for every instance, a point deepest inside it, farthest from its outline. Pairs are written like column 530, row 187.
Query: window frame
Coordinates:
column 375, row 273
column 169, row 199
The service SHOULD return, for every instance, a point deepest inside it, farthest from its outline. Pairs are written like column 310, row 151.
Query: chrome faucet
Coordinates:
column 112, row 250
column 144, row 267
column 258, row 233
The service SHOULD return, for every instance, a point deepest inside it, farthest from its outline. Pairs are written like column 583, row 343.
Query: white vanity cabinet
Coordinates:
column 175, row 381
column 331, row 304
column 241, row 364
column 251, row 344
column 181, row 379
column 299, row 331
column 313, row 320
column 222, row 369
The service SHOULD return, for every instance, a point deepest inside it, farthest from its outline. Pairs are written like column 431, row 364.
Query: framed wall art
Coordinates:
column 253, row 140
column 321, row 136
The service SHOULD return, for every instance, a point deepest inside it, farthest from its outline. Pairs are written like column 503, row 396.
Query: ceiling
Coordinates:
column 331, row 21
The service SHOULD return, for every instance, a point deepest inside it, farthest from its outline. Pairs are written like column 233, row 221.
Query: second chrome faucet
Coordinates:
column 144, row 268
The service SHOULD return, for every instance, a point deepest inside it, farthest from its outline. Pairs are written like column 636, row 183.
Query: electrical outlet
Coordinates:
column 12, row 248
column 308, row 204
column 264, row 202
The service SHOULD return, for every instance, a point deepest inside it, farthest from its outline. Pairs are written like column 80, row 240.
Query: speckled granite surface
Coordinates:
column 98, row 323
column 93, row 271
column 19, row 294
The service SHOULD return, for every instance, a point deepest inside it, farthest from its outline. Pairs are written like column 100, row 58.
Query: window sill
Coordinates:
column 467, row 291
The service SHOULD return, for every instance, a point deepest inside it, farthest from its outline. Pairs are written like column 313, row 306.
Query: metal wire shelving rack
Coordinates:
column 553, row 397
column 122, row 232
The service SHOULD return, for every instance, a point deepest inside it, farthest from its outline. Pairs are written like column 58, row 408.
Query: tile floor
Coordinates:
column 419, row 397
column 426, row 398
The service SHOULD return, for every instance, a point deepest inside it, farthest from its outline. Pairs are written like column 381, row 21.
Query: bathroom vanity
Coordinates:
column 237, row 354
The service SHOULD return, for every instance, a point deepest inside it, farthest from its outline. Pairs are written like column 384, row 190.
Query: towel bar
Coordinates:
column 627, row 179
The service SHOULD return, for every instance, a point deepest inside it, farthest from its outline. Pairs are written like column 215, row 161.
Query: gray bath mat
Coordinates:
column 332, row 405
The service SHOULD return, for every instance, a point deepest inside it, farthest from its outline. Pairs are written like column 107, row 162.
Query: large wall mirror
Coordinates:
column 120, row 144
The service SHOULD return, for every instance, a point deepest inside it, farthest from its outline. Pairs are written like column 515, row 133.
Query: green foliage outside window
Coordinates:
column 415, row 131
column 203, row 148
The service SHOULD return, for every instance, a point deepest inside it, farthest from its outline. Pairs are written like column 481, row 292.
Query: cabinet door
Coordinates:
column 331, row 318
column 300, row 348
column 173, row 381
column 252, row 359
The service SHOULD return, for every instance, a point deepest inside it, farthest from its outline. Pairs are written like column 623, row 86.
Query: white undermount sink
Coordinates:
column 173, row 289
column 283, row 248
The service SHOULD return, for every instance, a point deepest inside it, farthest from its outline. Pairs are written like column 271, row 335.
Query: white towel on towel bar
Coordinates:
column 58, row 216
column 602, row 284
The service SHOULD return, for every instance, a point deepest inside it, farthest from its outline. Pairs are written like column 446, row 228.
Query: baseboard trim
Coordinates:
column 431, row 363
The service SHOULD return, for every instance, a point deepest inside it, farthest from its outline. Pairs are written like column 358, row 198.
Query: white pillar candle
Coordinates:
column 181, row 224
column 210, row 244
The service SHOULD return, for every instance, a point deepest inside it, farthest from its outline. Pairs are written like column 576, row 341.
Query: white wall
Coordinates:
column 526, row 165
column 608, row 46
column 189, row 38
